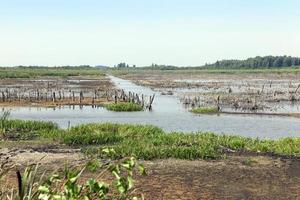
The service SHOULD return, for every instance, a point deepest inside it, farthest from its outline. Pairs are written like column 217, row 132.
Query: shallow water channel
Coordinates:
column 169, row 114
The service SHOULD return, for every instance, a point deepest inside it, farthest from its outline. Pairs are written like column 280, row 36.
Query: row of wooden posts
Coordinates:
column 78, row 97
column 121, row 96
column 8, row 96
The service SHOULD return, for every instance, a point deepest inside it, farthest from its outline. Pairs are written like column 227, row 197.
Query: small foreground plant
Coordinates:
column 68, row 186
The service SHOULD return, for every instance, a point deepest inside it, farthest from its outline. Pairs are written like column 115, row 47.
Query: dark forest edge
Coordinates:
column 258, row 62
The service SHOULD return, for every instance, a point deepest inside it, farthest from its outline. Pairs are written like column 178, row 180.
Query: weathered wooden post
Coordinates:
column 3, row 96
column 143, row 102
column 218, row 103
column 53, row 97
column 138, row 99
column 116, row 97
column 129, row 96
column 133, row 96
column 59, row 95
column 73, row 96
column 95, row 94
column 151, row 101
column 93, row 102
column 80, row 97
column 37, row 95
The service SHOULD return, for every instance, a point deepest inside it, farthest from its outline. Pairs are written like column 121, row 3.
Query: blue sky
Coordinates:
column 178, row 32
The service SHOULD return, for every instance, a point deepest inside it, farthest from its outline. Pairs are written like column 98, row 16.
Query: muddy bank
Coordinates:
column 55, row 91
column 240, row 92
column 237, row 177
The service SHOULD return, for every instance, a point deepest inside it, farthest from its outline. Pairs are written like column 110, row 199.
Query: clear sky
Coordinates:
column 141, row 32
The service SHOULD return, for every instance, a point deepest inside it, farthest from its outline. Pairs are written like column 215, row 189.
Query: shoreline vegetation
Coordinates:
column 124, row 107
column 205, row 110
column 144, row 141
column 213, row 110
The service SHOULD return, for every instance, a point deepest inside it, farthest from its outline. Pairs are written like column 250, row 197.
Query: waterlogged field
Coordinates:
column 195, row 142
column 240, row 92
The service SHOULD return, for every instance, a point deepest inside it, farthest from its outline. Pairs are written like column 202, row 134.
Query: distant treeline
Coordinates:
column 161, row 67
column 257, row 62
column 250, row 63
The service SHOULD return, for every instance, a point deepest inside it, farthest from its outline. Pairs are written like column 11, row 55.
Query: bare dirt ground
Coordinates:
column 236, row 177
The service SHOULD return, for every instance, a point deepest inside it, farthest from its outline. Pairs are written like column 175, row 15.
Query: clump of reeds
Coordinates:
column 124, row 107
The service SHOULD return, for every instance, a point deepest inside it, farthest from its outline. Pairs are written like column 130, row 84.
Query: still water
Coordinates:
column 169, row 114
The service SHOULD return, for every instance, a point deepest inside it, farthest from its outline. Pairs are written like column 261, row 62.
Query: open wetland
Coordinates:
column 198, row 135
column 172, row 114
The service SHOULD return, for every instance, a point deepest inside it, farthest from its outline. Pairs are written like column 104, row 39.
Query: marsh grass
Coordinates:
column 14, row 129
column 124, row 107
column 30, row 72
column 205, row 110
column 149, row 142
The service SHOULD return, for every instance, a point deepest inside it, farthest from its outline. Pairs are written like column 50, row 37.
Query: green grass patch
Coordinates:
column 124, row 107
column 205, row 110
column 24, row 130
